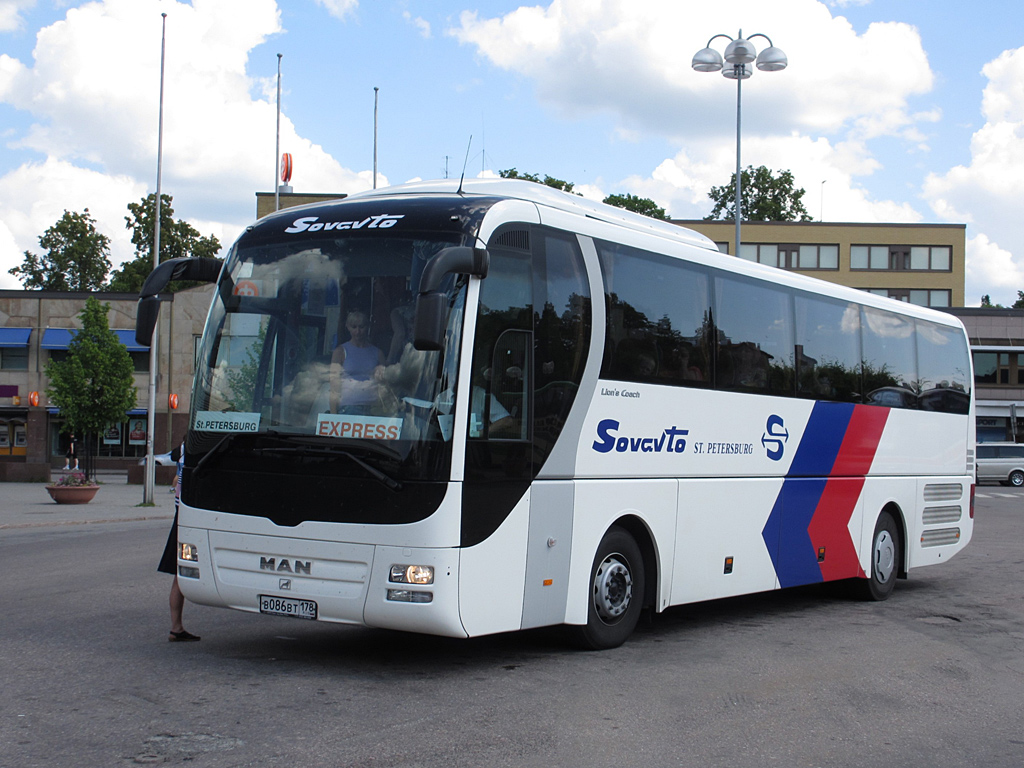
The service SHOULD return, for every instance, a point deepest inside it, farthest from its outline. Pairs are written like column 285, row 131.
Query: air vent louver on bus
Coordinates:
column 518, row 239
column 934, row 515
column 943, row 492
column 940, row 537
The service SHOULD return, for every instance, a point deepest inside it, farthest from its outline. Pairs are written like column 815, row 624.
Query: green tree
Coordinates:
column 93, row 385
column 548, row 181
column 76, row 257
column 765, row 196
column 177, row 239
column 986, row 302
column 643, row 205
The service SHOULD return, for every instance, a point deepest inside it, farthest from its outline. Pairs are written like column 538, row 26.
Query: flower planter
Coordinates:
column 72, row 494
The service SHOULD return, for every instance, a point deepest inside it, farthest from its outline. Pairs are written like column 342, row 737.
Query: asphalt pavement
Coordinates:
column 28, row 505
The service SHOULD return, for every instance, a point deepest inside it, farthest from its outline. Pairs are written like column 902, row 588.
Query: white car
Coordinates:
column 162, row 460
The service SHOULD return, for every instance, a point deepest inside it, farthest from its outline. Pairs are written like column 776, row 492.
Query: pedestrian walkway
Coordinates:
column 28, row 505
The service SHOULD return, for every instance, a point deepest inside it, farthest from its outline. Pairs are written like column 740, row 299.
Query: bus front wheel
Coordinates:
column 886, row 554
column 616, row 592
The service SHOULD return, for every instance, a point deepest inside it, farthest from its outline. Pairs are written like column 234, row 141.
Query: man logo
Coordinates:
column 286, row 566
column 284, row 584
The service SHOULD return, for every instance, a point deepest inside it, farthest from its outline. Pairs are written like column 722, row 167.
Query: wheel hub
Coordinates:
column 884, row 560
column 613, row 588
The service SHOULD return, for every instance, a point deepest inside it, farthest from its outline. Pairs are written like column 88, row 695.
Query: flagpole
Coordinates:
column 375, row 91
column 148, row 493
column 277, row 144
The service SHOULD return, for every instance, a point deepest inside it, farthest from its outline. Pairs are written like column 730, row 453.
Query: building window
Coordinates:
column 14, row 358
column 723, row 247
column 939, row 297
column 999, row 368
column 791, row 255
column 899, row 258
column 140, row 361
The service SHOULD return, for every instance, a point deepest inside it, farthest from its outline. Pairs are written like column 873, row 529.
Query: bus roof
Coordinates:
column 542, row 194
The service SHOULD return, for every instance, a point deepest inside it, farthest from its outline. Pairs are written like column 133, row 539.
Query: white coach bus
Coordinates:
column 463, row 409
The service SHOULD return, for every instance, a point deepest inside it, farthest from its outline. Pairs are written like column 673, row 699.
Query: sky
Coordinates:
column 889, row 111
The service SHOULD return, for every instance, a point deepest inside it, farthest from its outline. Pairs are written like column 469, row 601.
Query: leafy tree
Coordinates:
column 549, row 181
column 76, row 257
column 986, row 302
column 765, row 196
column 93, row 385
column 1019, row 303
column 177, row 239
column 643, row 205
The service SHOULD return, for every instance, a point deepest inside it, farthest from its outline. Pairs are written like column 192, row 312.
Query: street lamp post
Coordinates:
column 739, row 54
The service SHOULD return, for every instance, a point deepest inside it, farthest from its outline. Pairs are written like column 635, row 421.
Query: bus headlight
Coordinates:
column 412, row 574
column 188, row 552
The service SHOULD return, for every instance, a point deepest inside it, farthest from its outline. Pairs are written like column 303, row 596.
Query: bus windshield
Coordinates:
column 308, row 347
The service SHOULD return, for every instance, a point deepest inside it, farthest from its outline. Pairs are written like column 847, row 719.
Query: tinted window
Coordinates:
column 658, row 319
column 827, row 349
column 1011, row 451
column 890, row 367
column 754, row 322
column 942, row 369
column 562, row 322
column 986, row 451
column 500, row 368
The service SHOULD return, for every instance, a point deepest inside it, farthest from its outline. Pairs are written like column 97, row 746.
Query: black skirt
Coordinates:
column 169, row 560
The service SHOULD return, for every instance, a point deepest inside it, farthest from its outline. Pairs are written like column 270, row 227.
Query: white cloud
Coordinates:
column 633, row 60
column 986, row 193
column 28, row 208
column 817, row 118
column 92, row 91
column 339, row 8
column 991, row 271
column 681, row 183
column 421, row 24
column 10, row 13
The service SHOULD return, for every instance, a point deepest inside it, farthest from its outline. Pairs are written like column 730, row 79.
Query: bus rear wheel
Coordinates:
column 886, row 555
column 616, row 592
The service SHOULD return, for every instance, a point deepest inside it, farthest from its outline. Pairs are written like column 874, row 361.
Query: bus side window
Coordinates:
column 501, row 365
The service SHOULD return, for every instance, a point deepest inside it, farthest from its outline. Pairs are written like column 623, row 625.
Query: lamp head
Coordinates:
column 707, row 60
column 740, row 51
column 772, row 59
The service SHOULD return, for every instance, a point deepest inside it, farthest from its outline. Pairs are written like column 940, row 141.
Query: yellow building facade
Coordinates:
column 919, row 263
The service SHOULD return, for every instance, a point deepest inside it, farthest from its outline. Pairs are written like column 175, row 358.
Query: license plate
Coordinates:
column 287, row 606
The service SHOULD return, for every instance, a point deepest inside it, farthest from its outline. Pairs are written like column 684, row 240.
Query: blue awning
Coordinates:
column 14, row 337
column 59, row 338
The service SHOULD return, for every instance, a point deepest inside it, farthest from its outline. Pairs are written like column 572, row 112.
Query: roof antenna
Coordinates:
column 464, row 164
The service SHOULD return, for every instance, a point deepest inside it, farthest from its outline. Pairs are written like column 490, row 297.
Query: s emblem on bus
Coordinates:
column 775, row 435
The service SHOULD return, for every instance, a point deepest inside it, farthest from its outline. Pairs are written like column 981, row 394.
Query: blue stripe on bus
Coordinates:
column 785, row 533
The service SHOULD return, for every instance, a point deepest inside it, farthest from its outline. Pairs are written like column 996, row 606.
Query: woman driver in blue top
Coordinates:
column 353, row 388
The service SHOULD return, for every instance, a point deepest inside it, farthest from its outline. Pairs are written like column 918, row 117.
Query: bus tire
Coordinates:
column 616, row 591
column 886, row 557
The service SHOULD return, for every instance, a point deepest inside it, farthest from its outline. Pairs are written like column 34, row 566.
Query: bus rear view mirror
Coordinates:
column 428, row 331
column 432, row 303
column 201, row 270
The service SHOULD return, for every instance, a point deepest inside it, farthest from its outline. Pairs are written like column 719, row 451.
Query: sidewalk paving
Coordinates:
column 28, row 505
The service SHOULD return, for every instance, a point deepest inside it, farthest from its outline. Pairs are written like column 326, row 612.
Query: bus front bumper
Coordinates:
column 377, row 586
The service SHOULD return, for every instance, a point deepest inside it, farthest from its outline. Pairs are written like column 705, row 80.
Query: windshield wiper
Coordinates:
column 217, row 448
column 311, row 450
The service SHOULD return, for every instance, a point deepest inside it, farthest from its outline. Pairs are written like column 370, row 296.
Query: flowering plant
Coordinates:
column 73, row 480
